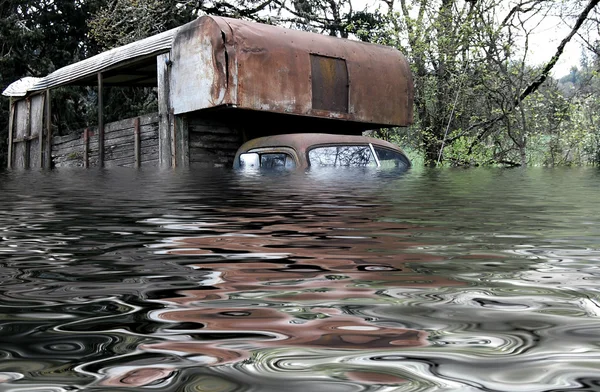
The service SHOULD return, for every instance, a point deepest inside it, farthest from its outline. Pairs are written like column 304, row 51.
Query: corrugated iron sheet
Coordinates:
column 20, row 87
column 147, row 47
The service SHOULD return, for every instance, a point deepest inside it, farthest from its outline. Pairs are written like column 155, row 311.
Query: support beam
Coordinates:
column 136, row 143
column 181, row 134
column 41, row 137
column 86, row 148
column 100, row 121
column 11, row 121
column 163, row 68
column 48, row 131
column 27, row 141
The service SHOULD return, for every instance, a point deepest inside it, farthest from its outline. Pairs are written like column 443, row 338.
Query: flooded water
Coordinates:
column 432, row 280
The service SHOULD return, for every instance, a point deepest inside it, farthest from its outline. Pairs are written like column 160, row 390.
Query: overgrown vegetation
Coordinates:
column 480, row 99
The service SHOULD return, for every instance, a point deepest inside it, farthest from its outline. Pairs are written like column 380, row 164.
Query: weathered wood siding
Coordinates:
column 36, row 127
column 119, row 145
column 212, row 143
column 26, row 130
column 21, row 146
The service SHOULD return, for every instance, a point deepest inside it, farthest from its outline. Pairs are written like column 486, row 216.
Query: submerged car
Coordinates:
column 303, row 150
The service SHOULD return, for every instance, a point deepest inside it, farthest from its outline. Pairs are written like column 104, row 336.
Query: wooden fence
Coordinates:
column 132, row 142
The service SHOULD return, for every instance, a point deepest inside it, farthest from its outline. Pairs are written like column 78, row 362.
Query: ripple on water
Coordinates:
column 438, row 280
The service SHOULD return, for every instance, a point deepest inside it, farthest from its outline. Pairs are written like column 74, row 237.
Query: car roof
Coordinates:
column 301, row 141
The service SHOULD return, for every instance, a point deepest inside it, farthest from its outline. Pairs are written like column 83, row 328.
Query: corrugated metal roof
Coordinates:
column 153, row 45
column 21, row 86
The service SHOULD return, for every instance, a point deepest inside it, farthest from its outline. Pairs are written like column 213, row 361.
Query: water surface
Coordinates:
column 430, row 280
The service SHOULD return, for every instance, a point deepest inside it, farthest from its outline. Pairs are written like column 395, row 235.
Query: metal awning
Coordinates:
column 133, row 64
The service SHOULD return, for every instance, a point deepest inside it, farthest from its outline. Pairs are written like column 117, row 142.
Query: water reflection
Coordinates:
column 354, row 280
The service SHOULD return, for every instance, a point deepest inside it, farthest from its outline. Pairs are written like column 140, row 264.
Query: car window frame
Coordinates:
column 274, row 150
column 366, row 144
column 395, row 151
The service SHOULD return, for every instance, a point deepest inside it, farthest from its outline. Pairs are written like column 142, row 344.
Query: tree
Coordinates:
column 470, row 75
column 38, row 37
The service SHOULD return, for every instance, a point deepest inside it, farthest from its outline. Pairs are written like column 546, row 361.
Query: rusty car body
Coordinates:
column 304, row 150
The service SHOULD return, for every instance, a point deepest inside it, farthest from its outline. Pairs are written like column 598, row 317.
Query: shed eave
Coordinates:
column 111, row 59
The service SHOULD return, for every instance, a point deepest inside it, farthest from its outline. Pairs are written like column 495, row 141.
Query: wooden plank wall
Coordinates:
column 21, row 136
column 211, row 143
column 26, row 130
column 36, row 129
column 119, row 145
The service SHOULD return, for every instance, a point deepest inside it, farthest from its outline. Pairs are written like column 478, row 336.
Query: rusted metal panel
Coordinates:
column 274, row 73
column 199, row 75
column 329, row 83
column 229, row 62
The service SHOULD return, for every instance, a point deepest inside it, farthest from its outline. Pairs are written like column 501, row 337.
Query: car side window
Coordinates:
column 390, row 158
column 352, row 156
column 276, row 160
column 267, row 160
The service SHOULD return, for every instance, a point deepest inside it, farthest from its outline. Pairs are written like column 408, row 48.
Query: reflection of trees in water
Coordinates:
column 341, row 156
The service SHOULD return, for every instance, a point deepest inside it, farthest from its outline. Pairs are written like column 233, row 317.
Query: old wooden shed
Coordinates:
column 220, row 82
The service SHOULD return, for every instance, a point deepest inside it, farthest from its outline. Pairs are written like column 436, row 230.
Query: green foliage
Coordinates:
column 457, row 154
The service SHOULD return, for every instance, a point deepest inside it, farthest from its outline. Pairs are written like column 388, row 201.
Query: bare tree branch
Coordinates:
column 534, row 86
column 559, row 51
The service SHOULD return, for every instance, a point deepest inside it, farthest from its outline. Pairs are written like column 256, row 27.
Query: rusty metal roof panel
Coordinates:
column 322, row 76
column 147, row 47
column 221, row 61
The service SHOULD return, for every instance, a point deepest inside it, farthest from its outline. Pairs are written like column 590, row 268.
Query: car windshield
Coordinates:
column 351, row 156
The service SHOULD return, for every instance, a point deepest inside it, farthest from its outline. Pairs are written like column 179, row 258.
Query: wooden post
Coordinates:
column 41, row 138
column 100, row 121
column 164, row 113
column 173, row 130
column 86, row 148
column 183, row 141
column 48, row 131
column 26, row 137
column 136, row 143
column 11, row 121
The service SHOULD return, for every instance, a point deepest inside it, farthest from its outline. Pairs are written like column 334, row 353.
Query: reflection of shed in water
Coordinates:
column 220, row 82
